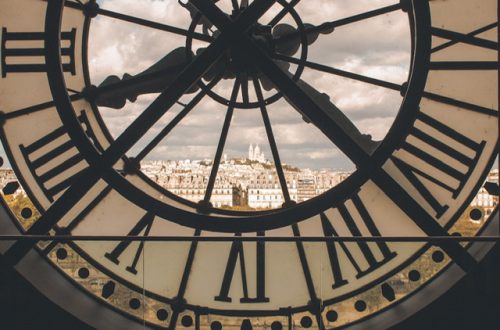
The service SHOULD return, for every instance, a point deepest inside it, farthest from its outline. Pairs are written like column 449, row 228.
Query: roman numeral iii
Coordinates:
column 25, row 52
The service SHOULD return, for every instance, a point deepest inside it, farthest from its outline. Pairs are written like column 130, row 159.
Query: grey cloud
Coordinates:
column 377, row 47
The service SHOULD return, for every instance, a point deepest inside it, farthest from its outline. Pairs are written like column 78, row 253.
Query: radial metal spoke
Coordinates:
column 244, row 87
column 341, row 73
column 155, row 25
column 144, row 22
column 283, row 13
column 329, row 26
column 172, row 124
column 272, row 141
column 222, row 142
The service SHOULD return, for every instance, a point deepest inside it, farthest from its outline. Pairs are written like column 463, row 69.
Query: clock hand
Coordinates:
column 323, row 100
column 335, row 114
column 291, row 38
column 287, row 39
column 113, row 92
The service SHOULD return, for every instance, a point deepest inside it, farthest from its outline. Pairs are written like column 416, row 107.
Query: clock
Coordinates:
column 142, row 255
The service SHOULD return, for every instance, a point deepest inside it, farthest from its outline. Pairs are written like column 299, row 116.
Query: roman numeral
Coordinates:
column 143, row 226
column 66, row 163
column 481, row 48
column 237, row 252
column 464, row 65
column 365, row 260
column 56, row 149
column 437, row 169
column 470, row 38
column 27, row 52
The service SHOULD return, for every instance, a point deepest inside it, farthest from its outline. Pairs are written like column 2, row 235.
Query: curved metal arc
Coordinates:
column 246, row 103
column 283, row 13
column 189, row 76
column 101, row 166
column 322, row 119
column 232, row 223
column 123, row 143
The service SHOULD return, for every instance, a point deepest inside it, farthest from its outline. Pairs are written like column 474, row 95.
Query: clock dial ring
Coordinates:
column 237, row 222
column 406, row 266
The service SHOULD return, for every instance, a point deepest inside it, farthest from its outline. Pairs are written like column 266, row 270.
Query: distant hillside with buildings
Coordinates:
column 248, row 183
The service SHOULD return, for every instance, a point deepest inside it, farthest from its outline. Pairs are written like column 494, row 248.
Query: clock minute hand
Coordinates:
column 337, row 116
column 287, row 38
column 114, row 92
column 313, row 31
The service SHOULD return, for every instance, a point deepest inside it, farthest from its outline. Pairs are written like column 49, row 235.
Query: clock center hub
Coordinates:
column 236, row 61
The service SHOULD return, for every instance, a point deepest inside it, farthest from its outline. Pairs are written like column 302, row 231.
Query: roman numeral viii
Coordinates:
column 25, row 52
column 363, row 256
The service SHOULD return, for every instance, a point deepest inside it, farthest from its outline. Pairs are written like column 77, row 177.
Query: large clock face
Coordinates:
column 258, row 57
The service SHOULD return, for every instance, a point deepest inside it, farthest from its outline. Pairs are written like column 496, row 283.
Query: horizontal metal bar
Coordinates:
column 407, row 239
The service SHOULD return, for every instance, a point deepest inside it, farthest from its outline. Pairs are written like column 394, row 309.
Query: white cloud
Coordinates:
column 377, row 47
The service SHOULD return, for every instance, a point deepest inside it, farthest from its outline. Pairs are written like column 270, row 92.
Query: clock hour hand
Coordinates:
column 170, row 66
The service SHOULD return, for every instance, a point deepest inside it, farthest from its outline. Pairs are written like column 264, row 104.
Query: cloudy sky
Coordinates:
column 377, row 47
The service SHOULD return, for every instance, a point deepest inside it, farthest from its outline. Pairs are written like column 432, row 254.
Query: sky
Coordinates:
column 377, row 47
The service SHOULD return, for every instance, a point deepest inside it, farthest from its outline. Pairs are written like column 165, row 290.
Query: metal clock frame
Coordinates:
column 405, row 119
